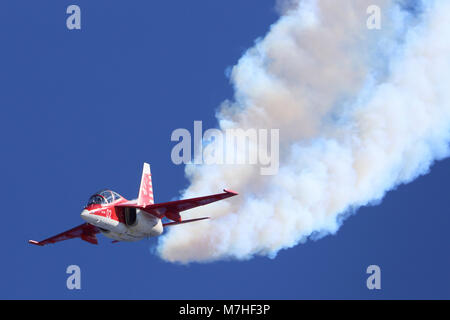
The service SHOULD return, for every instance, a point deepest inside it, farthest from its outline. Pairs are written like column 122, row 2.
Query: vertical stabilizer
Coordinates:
column 146, row 189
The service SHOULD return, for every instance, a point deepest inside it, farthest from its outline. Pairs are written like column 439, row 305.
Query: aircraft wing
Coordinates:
column 85, row 231
column 172, row 209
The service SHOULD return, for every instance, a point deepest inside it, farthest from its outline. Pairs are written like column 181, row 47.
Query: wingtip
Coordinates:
column 230, row 191
column 35, row 242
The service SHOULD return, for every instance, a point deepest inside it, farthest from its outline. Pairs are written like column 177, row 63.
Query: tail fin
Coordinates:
column 146, row 190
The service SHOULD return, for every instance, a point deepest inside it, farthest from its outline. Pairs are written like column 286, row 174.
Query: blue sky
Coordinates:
column 82, row 110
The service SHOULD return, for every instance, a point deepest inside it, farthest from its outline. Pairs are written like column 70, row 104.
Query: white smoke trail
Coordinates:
column 359, row 112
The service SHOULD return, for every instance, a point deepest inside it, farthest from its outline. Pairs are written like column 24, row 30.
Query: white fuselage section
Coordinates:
column 145, row 226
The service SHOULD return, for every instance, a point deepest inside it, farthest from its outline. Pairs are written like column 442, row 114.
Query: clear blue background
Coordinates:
column 82, row 110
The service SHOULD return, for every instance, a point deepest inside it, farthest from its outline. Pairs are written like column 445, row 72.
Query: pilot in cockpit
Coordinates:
column 103, row 197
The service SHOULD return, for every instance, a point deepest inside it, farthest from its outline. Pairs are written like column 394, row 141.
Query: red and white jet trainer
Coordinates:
column 122, row 220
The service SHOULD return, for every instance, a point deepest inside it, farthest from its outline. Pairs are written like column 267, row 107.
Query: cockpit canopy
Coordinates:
column 103, row 197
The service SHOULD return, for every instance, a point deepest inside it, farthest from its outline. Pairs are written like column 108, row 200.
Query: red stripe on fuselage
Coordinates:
column 108, row 211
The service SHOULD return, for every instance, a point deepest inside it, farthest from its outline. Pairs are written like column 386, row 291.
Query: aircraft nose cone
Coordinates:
column 85, row 215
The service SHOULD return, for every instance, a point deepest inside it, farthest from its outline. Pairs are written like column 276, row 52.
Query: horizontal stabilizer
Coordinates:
column 184, row 221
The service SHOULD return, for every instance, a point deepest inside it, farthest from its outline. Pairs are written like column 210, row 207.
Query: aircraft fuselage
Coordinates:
column 123, row 225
